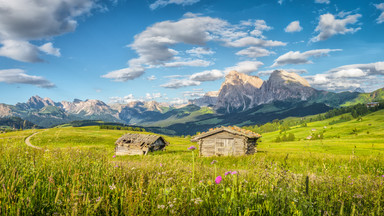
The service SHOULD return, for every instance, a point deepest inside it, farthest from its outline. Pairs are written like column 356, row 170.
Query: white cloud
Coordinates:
column 322, row 1
column 200, row 51
column 293, row 27
column 260, row 27
column 124, row 74
column 301, row 58
column 252, row 41
column 254, row 52
column 193, row 94
column 246, row 67
column 380, row 7
column 20, row 77
column 123, row 100
column 163, row 3
column 22, row 21
column 376, row 68
column 150, row 78
column 269, row 72
column 178, row 101
column 20, row 51
column 329, row 26
column 349, row 77
column 153, row 96
column 153, row 44
column 209, row 75
column 175, row 83
column 49, row 49
column 193, row 63
column 349, row 73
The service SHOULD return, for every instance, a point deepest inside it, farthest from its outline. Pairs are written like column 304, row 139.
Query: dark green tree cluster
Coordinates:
column 15, row 123
column 115, row 127
column 285, row 138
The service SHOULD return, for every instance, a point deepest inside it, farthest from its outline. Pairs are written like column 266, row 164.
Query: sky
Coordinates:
column 120, row 51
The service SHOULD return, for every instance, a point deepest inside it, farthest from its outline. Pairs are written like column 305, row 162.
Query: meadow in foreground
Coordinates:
column 80, row 175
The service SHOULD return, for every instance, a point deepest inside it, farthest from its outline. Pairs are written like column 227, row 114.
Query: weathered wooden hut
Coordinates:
column 226, row 141
column 139, row 144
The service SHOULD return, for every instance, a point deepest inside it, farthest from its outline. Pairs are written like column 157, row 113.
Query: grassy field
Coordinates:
column 342, row 174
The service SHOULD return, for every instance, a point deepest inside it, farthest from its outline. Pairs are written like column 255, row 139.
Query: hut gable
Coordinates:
column 139, row 144
column 225, row 141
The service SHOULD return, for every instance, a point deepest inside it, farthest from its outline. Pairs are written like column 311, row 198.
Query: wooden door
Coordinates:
column 224, row 146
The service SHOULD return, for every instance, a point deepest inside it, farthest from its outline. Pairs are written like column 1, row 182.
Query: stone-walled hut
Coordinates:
column 139, row 144
column 226, row 141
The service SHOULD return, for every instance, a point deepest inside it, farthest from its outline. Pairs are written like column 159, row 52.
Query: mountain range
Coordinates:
column 241, row 100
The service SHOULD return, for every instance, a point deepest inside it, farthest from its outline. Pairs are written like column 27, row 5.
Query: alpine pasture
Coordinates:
column 77, row 173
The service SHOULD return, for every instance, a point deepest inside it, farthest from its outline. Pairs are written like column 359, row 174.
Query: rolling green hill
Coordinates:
column 377, row 95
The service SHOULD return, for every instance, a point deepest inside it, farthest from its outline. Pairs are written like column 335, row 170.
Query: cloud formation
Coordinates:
column 50, row 50
column 329, row 26
column 125, row 74
column 18, row 76
column 349, row 77
column 179, row 83
column 301, row 58
column 209, row 75
column 246, row 67
column 254, row 52
column 20, row 51
column 22, row 21
column 380, row 7
column 252, row 41
column 163, row 3
column 294, row 27
column 200, row 51
column 192, row 63
column 269, row 72
column 322, row 1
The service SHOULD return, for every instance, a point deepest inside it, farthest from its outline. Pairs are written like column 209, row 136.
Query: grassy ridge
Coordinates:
column 317, row 177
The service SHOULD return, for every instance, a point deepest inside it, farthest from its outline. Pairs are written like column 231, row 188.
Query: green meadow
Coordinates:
column 76, row 173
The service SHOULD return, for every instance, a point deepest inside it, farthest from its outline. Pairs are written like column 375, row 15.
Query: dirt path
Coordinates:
column 28, row 141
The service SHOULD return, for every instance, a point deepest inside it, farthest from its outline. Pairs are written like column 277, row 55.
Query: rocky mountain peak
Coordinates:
column 236, row 78
column 283, row 77
column 36, row 102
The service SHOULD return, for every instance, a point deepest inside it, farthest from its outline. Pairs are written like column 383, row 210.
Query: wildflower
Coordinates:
column 161, row 164
column 227, row 173
column 117, row 166
column 112, row 187
column 51, row 180
column 213, row 162
column 192, row 148
column 201, row 182
column 234, row 173
column 98, row 199
column 114, row 156
column 160, row 206
column 349, row 176
column 218, row 179
column 382, row 176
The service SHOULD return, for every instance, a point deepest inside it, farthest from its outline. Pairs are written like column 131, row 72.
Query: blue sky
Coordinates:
column 175, row 50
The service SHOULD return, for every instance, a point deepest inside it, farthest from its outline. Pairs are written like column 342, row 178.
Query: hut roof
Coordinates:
column 141, row 139
column 231, row 129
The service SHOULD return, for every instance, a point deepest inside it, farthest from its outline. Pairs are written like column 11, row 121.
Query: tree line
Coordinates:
column 116, row 127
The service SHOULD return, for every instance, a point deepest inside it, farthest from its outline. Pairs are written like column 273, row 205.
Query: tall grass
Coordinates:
column 90, row 181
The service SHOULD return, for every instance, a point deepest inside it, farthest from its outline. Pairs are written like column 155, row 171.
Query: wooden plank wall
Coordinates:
column 214, row 145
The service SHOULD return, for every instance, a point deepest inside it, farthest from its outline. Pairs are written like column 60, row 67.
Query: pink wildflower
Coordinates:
column 114, row 156
column 192, row 148
column 234, row 173
column 227, row 173
column 218, row 179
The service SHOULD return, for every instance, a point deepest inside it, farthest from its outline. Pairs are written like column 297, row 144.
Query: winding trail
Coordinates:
column 28, row 142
